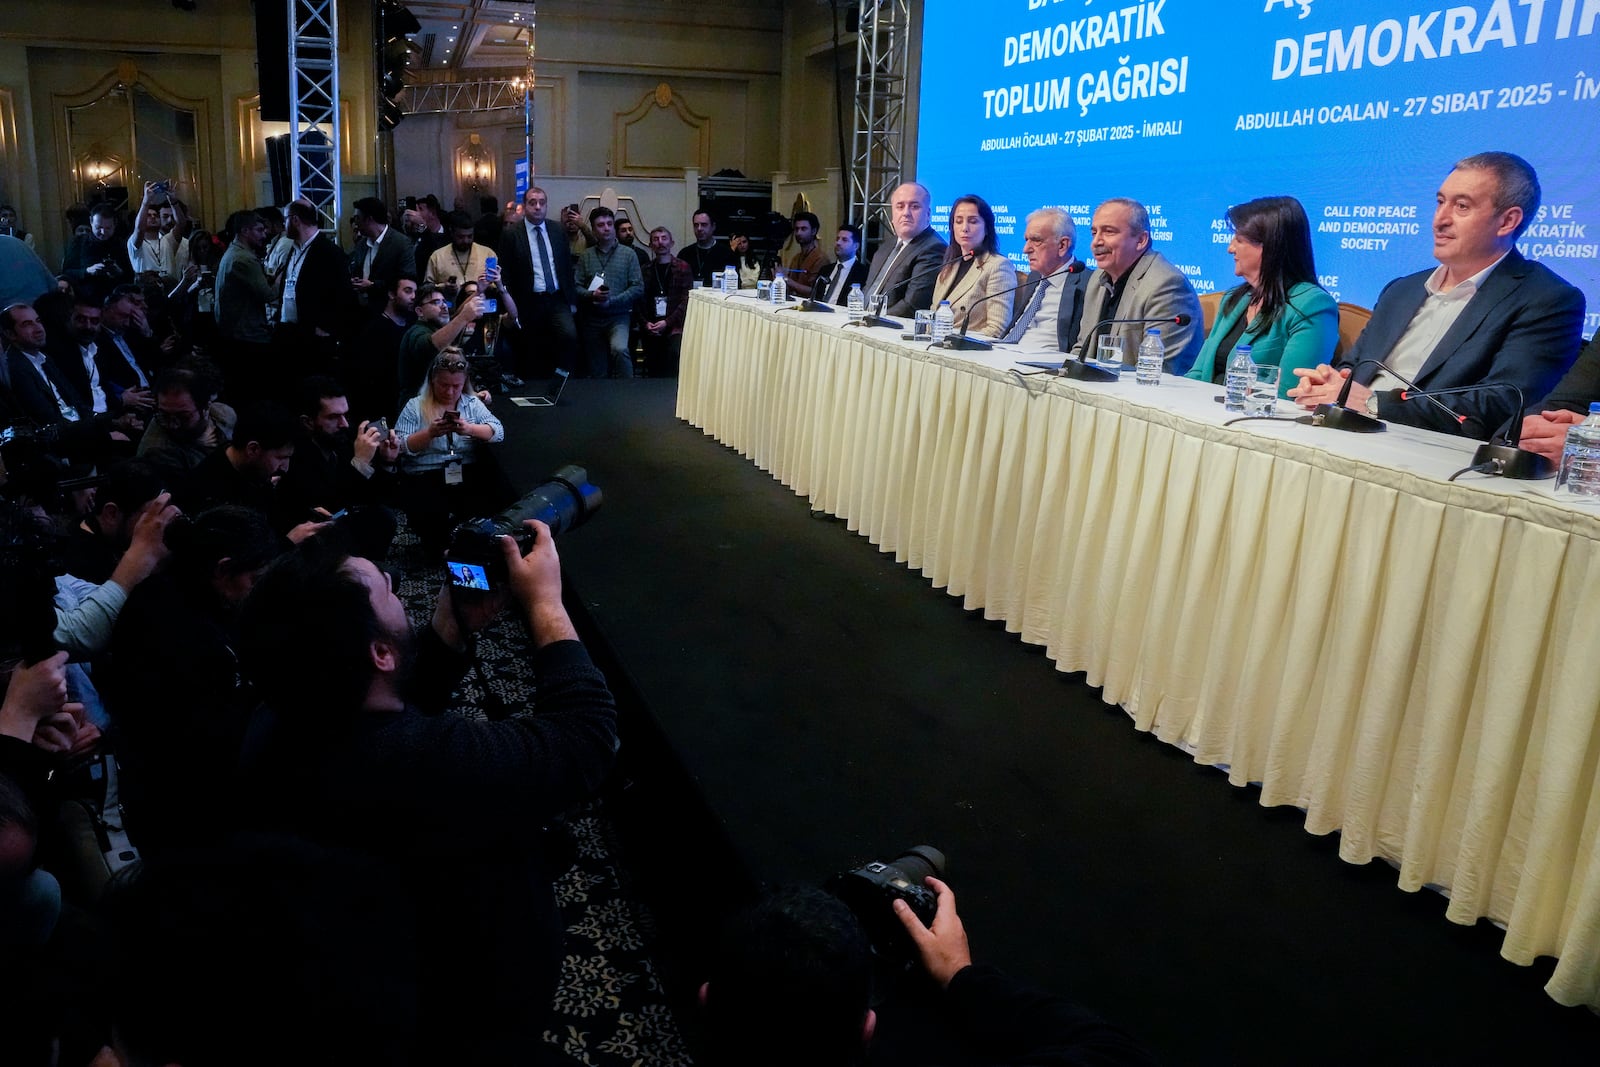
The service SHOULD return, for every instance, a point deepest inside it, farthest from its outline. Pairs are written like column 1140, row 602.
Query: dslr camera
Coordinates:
column 564, row 501
column 871, row 890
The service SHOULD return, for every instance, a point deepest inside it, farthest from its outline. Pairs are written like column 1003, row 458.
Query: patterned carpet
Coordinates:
column 611, row 1007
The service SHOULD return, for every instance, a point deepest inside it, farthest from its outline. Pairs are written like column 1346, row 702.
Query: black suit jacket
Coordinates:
column 324, row 298
column 1580, row 387
column 1069, row 317
column 115, row 374
column 909, row 283
column 1522, row 329
column 32, row 394
column 824, row 283
column 393, row 258
column 517, row 257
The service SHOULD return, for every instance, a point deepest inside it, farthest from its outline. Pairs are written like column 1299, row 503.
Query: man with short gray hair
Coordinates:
column 1485, row 320
column 907, row 263
column 1134, row 281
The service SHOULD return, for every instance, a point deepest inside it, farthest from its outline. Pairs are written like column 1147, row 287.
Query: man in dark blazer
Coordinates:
column 1053, row 319
column 318, row 302
column 1544, row 428
column 536, row 269
column 905, row 268
column 41, row 389
column 849, row 268
column 389, row 253
column 1484, row 318
column 127, row 361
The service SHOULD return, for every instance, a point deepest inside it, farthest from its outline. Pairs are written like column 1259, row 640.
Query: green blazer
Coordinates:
column 1303, row 335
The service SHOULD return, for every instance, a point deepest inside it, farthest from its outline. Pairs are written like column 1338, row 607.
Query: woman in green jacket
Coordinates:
column 1280, row 311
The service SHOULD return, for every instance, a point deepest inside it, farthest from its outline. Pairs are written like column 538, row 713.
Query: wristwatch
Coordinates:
column 1372, row 404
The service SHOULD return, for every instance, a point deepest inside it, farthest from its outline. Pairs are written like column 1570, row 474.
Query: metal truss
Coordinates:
column 500, row 94
column 314, row 105
column 882, row 56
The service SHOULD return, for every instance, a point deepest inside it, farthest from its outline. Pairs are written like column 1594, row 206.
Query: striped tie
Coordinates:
column 1014, row 334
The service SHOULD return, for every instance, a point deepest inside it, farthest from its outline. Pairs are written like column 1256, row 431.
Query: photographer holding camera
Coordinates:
column 98, row 254
column 791, row 984
column 352, row 751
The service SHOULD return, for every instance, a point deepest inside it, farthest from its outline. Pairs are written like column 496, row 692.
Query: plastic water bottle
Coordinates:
column 943, row 320
column 858, row 303
column 1579, row 475
column 730, row 279
column 1236, row 382
column 780, row 288
column 1152, row 357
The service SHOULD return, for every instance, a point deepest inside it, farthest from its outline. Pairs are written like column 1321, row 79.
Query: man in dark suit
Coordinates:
column 99, row 255
column 1544, row 428
column 318, row 302
column 848, row 269
column 1485, row 317
column 388, row 253
column 1049, row 304
column 904, row 270
column 128, row 362
column 40, row 388
column 536, row 269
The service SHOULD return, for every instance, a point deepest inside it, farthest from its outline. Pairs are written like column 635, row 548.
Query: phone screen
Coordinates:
column 467, row 575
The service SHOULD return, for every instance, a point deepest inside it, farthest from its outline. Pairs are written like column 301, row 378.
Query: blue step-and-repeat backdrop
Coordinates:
column 1356, row 107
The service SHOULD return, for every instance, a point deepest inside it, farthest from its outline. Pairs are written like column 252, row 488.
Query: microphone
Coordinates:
column 1081, row 370
column 811, row 303
column 1501, row 456
column 894, row 324
column 962, row 343
column 1339, row 417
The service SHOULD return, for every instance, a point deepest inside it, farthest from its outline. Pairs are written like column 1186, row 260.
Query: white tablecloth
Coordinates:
column 1415, row 663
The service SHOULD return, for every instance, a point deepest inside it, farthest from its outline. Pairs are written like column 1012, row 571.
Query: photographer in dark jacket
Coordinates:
column 796, row 968
column 99, row 255
column 353, row 752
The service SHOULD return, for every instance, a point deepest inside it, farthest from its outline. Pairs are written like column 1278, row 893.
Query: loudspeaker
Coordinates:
column 272, row 61
column 278, row 162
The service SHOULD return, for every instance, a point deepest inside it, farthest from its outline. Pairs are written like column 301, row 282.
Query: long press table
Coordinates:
column 1413, row 662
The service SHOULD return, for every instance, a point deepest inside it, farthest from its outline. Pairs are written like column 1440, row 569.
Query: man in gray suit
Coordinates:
column 904, row 270
column 1132, row 281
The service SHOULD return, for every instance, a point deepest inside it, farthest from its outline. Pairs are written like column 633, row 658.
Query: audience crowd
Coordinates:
column 214, row 701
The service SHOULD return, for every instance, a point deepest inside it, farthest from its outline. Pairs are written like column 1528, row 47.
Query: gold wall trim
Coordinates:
column 128, row 74
column 661, row 98
column 11, row 153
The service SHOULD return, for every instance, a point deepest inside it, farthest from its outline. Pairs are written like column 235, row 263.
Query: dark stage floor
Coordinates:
column 833, row 708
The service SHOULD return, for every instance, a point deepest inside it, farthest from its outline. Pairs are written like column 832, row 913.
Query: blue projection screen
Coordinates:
column 1358, row 108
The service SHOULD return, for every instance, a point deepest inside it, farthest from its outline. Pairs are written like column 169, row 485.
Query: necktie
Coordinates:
column 888, row 268
column 841, row 275
column 1014, row 334
column 544, row 258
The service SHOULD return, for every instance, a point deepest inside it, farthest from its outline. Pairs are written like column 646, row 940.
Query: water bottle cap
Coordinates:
column 1155, row 330
column 944, row 303
column 1594, row 408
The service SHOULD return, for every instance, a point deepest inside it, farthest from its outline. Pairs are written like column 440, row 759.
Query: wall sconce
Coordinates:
column 476, row 168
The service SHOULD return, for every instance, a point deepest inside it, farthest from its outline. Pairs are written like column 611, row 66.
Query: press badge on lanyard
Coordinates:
column 661, row 307
column 452, row 469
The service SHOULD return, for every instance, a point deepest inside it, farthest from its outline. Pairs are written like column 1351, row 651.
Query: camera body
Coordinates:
column 871, row 890
column 563, row 502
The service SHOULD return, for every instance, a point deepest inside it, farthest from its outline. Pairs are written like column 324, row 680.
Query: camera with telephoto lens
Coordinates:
column 871, row 890
column 564, row 501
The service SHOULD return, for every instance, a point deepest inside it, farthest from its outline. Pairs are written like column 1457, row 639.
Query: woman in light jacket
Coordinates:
column 975, row 269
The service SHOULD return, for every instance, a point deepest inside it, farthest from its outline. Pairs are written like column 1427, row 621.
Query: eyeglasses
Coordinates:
column 441, row 301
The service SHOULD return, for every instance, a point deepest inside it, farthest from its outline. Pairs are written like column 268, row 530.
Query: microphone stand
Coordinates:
column 870, row 319
column 961, row 342
column 1502, row 455
column 1080, row 369
column 1336, row 416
